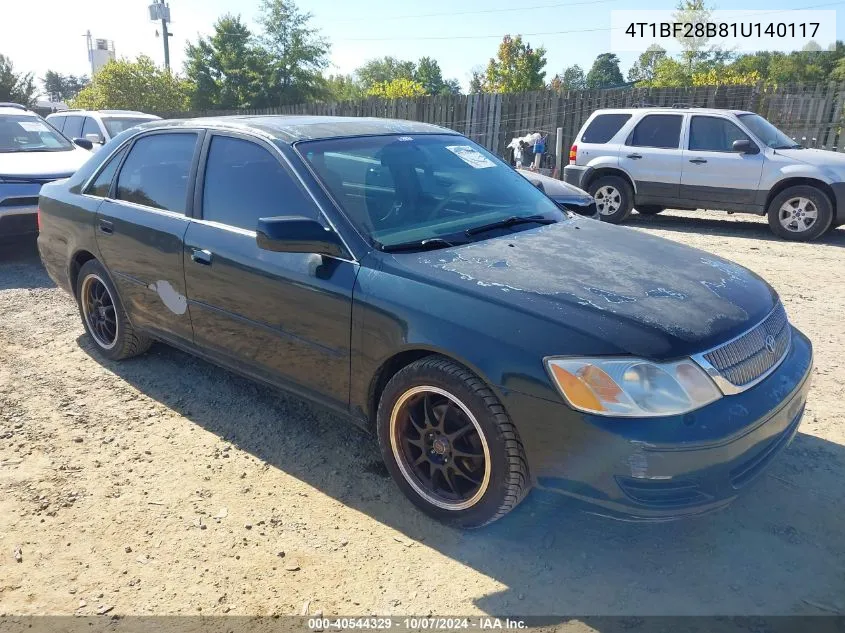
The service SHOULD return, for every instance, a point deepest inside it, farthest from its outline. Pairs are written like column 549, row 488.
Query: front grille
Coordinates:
column 747, row 358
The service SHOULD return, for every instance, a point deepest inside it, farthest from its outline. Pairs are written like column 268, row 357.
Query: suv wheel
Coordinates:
column 449, row 445
column 800, row 213
column 649, row 209
column 614, row 198
column 103, row 315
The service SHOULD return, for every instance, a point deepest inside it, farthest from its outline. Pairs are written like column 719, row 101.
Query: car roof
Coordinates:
column 14, row 109
column 294, row 128
column 666, row 109
column 102, row 113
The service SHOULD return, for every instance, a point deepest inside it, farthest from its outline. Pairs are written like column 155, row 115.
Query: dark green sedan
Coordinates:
column 413, row 282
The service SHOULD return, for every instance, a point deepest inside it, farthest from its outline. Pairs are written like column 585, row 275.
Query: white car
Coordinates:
column 31, row 153
column 97, row 126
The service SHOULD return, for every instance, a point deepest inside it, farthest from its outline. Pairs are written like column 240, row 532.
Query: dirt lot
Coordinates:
column 165, row 485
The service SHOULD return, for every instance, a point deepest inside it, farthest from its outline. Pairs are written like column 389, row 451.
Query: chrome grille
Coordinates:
column 747, row 358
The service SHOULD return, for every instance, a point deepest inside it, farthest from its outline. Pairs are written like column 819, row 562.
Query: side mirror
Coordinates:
column 297, row 235
column 95, row 138
column 744, row 146
column 84, row 143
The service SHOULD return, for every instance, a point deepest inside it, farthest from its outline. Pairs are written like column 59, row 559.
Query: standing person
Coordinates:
column 527, row 154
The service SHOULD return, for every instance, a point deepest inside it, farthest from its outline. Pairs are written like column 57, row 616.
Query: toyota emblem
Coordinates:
column 770, row 344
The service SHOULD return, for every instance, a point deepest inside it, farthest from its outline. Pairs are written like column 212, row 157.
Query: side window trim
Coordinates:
column 720, row 118
column 200, row 133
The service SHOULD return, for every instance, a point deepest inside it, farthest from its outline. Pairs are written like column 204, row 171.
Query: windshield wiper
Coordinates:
column 417, row 245
column 511, row 221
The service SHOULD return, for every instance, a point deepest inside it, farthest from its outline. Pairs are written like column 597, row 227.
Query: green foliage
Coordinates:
column 15, row 87
column 400, row 88
column 572, row 79
column 227, row 70
column 645, row 67
column 428, row 74
column 294, row 53
column 134, row 85
column 516, row 68
column 342, row 88
column 605, row 72
column 63, row 87
column 384, row 70
column 725, row 77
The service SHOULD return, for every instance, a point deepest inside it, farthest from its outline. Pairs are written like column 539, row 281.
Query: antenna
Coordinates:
column 160, row 12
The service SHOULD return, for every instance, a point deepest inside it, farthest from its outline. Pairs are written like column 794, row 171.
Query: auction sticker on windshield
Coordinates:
column 33, row 126
column 471, row 156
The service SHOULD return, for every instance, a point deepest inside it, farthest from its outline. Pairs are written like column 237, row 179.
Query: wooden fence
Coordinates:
column 811, row 113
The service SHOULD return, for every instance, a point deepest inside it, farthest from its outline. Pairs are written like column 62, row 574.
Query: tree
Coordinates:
column 400, row 88
column 644, row 68
column 139, row 85
column 571, row 79
column 605, row 72
column 516, row 68
column 63, row 87
column 15, row 87
column 476, row 81
column 669, row 73
column 385, row 70
column 428, row 74
column 342, row 88
column 295, row 53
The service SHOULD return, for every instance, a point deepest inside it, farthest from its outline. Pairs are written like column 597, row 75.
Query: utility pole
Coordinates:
column 160, row 12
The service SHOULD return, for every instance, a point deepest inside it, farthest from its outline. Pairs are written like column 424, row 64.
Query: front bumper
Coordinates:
column 18, row 221
column 672, row 467
column 574, row 175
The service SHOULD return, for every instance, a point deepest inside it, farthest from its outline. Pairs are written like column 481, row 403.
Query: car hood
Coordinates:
column 43, row 164
column 553, row 187
column 646, row 295
column 817, row 157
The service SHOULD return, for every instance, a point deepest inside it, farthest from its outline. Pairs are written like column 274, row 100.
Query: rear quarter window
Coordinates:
column 604, row 127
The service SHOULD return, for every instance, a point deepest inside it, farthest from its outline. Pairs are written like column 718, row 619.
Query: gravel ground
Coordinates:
column 165, row 485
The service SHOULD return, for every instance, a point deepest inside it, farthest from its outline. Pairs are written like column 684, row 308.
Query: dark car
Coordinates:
column 408, row 279
column 566, row 196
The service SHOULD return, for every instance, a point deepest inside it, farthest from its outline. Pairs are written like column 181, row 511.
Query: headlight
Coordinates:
column 632, row 387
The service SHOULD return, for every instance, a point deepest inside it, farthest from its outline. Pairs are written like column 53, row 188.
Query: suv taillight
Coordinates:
column 38, row 219
column 573, row 153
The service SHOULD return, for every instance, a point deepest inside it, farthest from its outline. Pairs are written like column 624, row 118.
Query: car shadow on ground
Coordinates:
column 752, row 228
column 16, row 261
column 778, row 550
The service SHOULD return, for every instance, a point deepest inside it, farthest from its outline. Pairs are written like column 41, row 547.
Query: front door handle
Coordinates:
column 698, row 161
column 635, row 156
column 201, row 256
column 106, row 227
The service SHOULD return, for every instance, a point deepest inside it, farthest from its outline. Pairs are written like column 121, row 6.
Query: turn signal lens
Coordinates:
column 573, row 154
column 631, row 387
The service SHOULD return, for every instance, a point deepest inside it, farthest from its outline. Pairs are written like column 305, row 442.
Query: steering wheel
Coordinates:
column 460, row 191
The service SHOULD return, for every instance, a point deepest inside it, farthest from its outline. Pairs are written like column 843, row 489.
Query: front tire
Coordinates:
column 614, row 198
column 801, row 213
column 103, row 315
column 649, row 209
column 449, row 445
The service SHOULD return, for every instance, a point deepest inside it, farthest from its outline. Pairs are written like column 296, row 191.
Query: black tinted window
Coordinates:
column 657, row 130
column 245, row 182
column 91, row 127
column 713, row 134
column 102, row 183
column 73, row 127
column 155, row 173
column 604, row 127
column 57, row 122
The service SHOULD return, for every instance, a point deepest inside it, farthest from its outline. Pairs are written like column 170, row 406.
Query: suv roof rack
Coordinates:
column 9, row 104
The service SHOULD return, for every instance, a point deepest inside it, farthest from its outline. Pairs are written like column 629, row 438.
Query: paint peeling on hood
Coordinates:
column 612, row 272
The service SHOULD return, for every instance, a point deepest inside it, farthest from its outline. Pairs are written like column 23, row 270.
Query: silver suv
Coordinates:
column 97, row 126
column 692, row 158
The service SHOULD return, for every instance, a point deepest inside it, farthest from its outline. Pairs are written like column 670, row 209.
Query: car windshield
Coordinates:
column 412, row 189
column 29, row 133
column 116, row 125
column 767, row 132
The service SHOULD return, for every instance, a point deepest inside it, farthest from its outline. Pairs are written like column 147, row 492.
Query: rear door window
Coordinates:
column 57, row 122
column 657, row 130
column 91, row 127
column 73, row 127
column 156, row 172
column 604, row 127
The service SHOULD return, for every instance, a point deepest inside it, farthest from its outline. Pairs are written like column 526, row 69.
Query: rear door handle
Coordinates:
column 698, row 161
column 635, row 156
column 106, row 227
column 201, row 256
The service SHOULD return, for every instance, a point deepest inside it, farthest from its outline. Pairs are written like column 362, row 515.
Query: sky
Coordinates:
column 460, row 35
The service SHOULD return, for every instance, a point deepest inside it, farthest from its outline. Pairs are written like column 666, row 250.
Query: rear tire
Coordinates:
column 649, row 209
column 449, row 445
column 801, row 213
column 103, row 316
column 614, row 198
